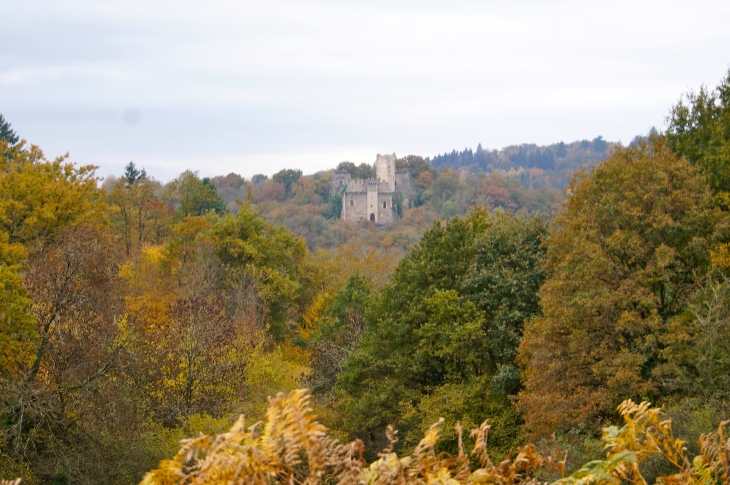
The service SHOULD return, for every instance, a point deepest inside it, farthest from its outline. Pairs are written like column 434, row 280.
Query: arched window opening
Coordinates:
column 385, row 205
column 352, row 202
column 372, row 217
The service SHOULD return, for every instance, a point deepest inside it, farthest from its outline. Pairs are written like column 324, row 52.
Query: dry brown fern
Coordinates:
column 272, row 452
column 290, row 447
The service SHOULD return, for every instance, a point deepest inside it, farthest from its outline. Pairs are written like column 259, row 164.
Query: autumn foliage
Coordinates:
column 290, row 446
column 135, row 314
column 623, row 262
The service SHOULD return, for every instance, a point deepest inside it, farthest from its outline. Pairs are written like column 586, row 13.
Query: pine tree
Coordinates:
column 132, row 174
column 6, row 133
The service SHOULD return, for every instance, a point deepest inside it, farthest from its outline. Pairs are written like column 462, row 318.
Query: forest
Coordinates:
column 570, row 304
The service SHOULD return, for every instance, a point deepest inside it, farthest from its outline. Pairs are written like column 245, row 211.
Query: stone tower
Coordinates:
column 372, row 199
column 385, row 170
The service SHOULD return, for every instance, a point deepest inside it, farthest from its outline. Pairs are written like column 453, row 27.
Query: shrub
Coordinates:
column 290, row 446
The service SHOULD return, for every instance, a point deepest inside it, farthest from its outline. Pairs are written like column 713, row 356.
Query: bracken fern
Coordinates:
column 291, row 447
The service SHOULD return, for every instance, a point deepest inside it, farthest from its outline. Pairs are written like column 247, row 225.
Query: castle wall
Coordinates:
column 372, row 203
column 354, row 206
column 403, row 183
column 357, row 185
column 386, row 215
column 340, row 180
column 360, row 205
column 385, row 170
column 371, row 197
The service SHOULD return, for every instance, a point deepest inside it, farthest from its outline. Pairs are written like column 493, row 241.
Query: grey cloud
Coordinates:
column 218, row 84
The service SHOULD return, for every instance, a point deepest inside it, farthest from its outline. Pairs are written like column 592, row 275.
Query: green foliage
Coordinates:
column 415, row 165
column 259, row 179
column 398, row 205
column 196, row 196
column 336, row 201
column 696, row 355
column 443, row 321
column 503, row 284
column 131, row 174
column 287, row 178
column 162, row 441
column 271, row 255
column 348, row 304
column 346, row 167
column 269, row 372
column 446, row 186
column 6, row 133
column 362, row 171
column 464, row 403
column 699, row 130
column 450, row 209
column 337, row 333
column 389, row 366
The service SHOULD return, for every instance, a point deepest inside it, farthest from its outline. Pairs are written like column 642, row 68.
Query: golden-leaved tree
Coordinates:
column 138, row 215
column 623, row 262
column 39, row 197
column 63, row 339
column 189, row 340
column 40, row 201
column 15, row 320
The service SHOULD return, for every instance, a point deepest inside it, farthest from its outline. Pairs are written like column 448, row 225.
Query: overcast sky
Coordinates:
column 253, row 87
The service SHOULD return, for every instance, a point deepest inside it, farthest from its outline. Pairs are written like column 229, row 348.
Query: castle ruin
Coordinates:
column 372, row 199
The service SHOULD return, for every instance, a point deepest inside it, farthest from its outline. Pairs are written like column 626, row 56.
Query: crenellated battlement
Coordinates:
column 372, row 199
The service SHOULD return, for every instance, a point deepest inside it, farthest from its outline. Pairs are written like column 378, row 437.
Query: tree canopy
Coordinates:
column 623, row 261
column 441, row 337
column 699, row 130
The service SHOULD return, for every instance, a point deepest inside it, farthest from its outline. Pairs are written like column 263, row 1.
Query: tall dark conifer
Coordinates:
column 6, row 133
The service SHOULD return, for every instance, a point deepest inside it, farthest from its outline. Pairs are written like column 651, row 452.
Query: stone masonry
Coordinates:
column 372, row 199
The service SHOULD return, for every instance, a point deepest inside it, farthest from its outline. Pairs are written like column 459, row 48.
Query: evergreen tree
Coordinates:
column 336, row 205
column 132, row 174
column 562, row 150
column 599, row 144
column 6, row 133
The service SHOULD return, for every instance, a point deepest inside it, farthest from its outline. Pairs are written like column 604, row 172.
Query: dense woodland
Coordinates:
column 134, row 314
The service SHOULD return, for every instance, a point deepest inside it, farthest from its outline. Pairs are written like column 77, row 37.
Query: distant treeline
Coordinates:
column 560, row 158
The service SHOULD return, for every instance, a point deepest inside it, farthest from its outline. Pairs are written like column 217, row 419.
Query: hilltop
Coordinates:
column 521, row 179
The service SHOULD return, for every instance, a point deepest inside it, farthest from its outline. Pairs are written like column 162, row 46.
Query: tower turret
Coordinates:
column 385, row 170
